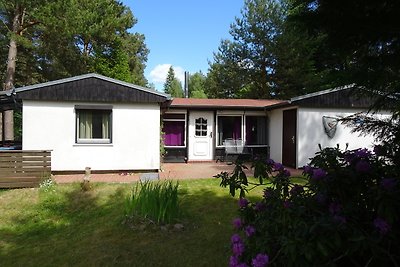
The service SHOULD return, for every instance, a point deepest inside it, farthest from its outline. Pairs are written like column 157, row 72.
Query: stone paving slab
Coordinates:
column 175, row 171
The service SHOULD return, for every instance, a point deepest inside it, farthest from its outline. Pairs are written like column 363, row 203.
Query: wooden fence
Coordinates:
column 23, row 168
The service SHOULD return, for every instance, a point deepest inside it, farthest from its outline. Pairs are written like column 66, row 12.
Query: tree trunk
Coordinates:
column 8, row 116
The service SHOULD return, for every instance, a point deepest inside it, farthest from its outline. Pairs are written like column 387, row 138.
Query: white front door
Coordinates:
column 201, row 135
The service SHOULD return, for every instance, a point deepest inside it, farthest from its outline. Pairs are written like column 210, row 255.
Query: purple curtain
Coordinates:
column 237, row 127
column 174, row 133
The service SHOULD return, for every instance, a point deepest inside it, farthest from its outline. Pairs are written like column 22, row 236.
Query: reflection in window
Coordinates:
column 201, row 127
column 256, row 131
column 229, row 127
column 93, row 125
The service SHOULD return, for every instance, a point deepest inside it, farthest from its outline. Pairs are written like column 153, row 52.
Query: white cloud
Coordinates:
column 159, row 73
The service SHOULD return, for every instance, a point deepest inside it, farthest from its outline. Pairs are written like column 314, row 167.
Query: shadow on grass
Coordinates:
column 71, row 227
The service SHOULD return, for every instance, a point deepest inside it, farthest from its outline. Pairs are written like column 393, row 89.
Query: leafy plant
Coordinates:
column 346, row 214
column 47, row 184
column 155, row 201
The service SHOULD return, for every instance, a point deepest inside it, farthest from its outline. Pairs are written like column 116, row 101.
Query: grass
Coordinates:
column 69, row 227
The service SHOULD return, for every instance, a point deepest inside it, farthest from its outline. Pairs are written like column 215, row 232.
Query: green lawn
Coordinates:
column 69, row 227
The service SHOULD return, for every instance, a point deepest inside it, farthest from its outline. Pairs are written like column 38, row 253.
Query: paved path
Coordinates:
column 174, row 171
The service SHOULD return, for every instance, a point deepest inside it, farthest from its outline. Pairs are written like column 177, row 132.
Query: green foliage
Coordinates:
column 346, row 214
column 359, row 44
column 18, row 125
column 94, row 37
column 197, row 85
column 70, row 224
column 47, row 184
column 155, row 201
column 268, row 56
column 172, row 85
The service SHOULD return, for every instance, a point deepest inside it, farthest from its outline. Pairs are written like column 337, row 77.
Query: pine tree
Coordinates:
column 172, row 85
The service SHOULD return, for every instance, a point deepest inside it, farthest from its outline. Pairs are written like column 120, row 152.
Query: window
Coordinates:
column 229, row 127
column 201, row 127
column 256, row 131
column 93, row 125
column 174, row 129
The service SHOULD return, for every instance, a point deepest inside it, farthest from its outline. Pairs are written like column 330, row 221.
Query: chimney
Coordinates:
column 186, row 85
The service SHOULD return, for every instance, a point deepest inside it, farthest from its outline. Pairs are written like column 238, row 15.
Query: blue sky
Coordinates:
column 181, row 33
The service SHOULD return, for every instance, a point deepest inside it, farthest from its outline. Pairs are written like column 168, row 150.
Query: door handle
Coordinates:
column 210, row 134
column 293, row 139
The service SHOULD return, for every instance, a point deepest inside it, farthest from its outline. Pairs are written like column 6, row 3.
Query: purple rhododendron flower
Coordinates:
column 234, row 261
column 278, row 166
column 236, row 239
column 349, row 157
column 238, row 248
column 388, row 183
column 250, row 230
column 296, row 189
column 243, row 202
column 335, row 208
column 270, row 162
column 259, row 206
column 237, row 223
column 286, row 173
column 308, row 170
column 261, row 260
column 363, row 166
column 362, row 153
column 318, row 174
column 381, row 225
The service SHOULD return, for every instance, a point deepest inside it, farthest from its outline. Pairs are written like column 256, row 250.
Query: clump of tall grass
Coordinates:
column 155, row 201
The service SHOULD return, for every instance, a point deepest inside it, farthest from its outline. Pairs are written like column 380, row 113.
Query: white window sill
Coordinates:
column 94, row 142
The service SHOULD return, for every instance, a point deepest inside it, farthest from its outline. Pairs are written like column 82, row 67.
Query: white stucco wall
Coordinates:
column 310, row 133
column 135, row 137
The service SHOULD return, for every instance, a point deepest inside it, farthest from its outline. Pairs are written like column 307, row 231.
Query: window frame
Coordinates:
column 180, row 120
column 91, row 108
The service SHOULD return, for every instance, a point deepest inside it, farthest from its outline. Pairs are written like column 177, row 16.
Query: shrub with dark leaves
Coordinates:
column 346, row 214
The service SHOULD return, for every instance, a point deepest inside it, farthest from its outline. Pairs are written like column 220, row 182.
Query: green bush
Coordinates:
column 155, row 201
column 347, row 214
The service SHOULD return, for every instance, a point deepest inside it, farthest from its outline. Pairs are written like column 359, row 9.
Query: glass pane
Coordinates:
column 256, row 132
column 229, row 127
column 174, row 133
column 94, row 124
column 201, row 127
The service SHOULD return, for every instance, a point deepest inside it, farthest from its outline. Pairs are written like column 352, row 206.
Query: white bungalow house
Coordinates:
column 93, row 121
column 286, row 131
column 110, row 125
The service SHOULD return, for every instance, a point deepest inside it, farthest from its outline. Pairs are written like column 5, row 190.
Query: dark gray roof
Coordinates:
column 90, row 87
column 340, row 97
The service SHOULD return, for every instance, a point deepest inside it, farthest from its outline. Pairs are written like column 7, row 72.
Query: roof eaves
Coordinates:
column 298, row 98
column 91, row 75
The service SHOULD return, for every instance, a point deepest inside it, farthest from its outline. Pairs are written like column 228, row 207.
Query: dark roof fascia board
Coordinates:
column 91, row 75
column 278, row 105
column 319, row 93
column 211, row 107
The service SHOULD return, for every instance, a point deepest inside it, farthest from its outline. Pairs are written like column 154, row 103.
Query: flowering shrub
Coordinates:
column 346, row 214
